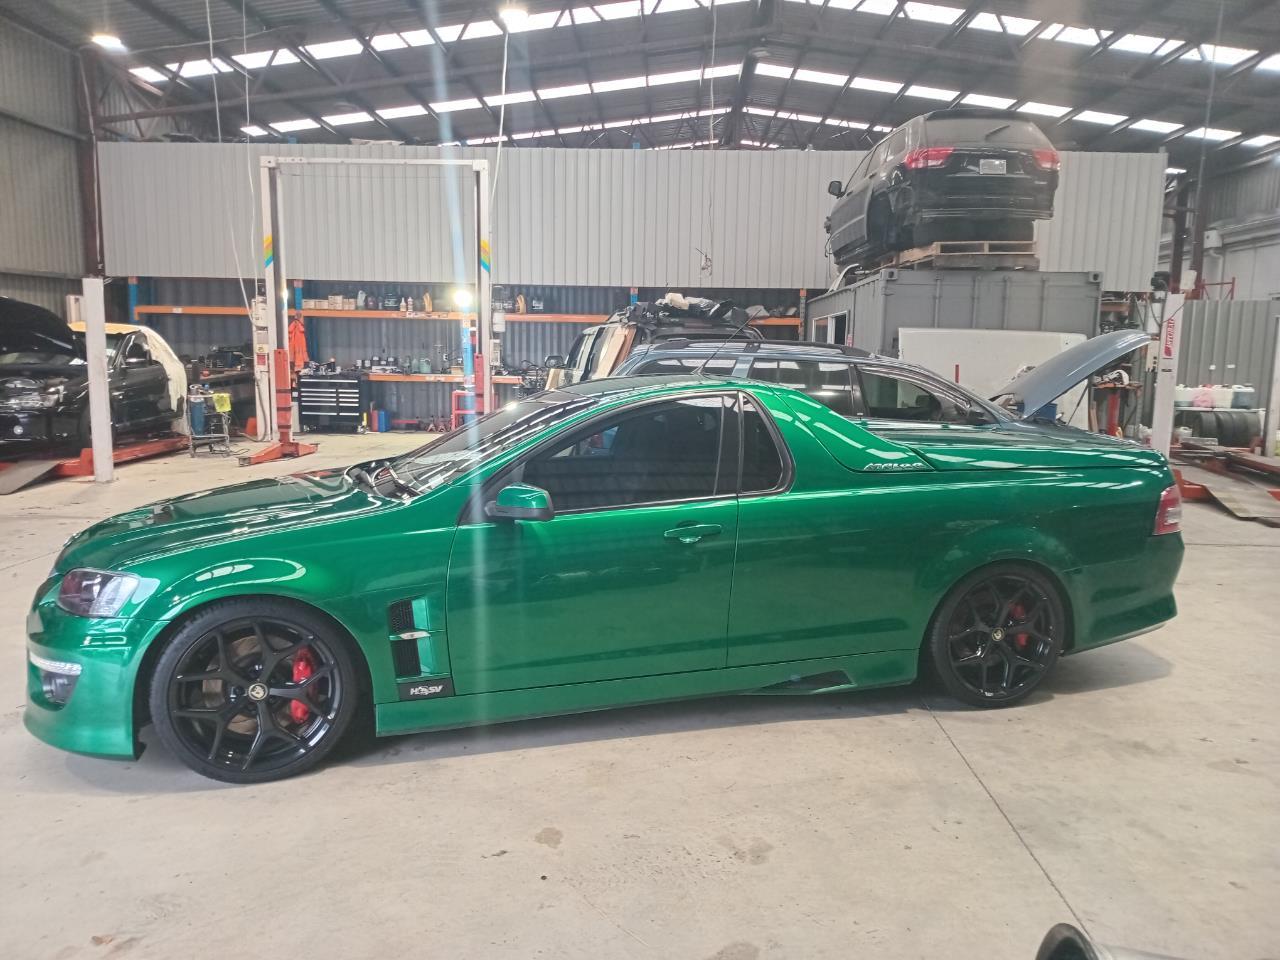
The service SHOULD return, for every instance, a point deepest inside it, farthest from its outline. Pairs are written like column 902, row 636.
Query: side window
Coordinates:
column 897, row 143
column 859, row 171
column 593, row 355
column 660, row 452
column 761, row 459
column 720, row 365
column 877, row 157
column 580, row 345
column 831, row 383
column 895, row 398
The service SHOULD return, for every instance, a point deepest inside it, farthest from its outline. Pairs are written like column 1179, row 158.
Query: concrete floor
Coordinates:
column 1139, row 796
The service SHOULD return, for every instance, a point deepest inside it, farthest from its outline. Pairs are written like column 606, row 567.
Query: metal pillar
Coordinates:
column 1167, row 345
column 1271, row 418
column 484, row 291
column 94, row 314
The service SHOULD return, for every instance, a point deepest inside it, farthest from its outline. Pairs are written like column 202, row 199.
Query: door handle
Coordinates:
column 693, row 532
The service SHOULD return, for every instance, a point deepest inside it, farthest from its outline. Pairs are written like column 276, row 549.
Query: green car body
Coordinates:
column 833, row 576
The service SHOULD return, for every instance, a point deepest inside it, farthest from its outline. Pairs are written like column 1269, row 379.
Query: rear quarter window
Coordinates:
column 675, row 365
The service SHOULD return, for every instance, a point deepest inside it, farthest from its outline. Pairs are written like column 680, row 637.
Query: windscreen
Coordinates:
column 992, row 131
column 20, row 345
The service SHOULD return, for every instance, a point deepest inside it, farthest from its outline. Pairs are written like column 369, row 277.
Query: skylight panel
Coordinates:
column 452, row 106
column 1138, row 43
column 1213, row 133
column 253, row 130
column 821, row 76
column 387, row 41
column 883, row 8
column 1098, row 116
column 1154, row 126
column 397, row 113
column 289, row 126
column 1050, row 31
column 1222, row 56
column 773, row 70
column 341, row 119
column 251, row 61
column 1262, row 140
column 932, row 93
column 449, row 34
column 1169, row 46
column 671, row 6
column 479, row 29
column 582, row 15
column 760, row 111
column 1018, row 26
column 1043, row 109
column 757, row 143
column 538, row 21
column 1084, row 36
column 1271, row 63
column 152, row 75
column 985, row 100
column 851, row 124
column 417, row 38
column 932, row 13
column 622, row 83
column 334, row 48
column 501, row 99
column 283, row 58
column 199, row 68
column 618, row 11
column 676, row 76
column 571, row 90
column 879, row 86
column 724, row 70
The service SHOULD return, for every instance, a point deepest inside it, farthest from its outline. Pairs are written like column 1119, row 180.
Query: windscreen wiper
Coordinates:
column 994, row 130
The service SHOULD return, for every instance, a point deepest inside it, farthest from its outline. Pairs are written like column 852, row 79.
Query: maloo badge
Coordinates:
column 910, row 465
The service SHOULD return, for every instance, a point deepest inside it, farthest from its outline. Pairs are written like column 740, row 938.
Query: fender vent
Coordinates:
column 400, row 617
column 404, row 657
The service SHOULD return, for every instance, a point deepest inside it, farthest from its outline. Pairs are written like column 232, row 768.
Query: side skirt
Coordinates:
column 864, row 671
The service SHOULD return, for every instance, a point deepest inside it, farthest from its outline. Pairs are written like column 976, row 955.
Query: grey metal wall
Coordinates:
column 39, row 188
column 47, row 292
column 880, row 305
column 1229, row 342
column 566, row 217
column 1244, row 193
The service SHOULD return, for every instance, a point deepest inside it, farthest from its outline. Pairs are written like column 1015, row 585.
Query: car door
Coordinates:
column 629, row 578
column 859, row 195
column 844, row 218
column 143, row 384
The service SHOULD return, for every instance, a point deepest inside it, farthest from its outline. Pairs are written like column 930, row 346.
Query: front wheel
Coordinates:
column 253, row 690
column 997, row 635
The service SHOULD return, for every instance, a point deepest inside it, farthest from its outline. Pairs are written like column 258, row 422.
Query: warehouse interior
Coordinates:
column 345, row 547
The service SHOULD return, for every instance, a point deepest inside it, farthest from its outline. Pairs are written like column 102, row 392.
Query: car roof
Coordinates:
column 616, row 387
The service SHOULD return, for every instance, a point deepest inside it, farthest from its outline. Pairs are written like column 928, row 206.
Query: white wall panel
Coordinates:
column 563, row 217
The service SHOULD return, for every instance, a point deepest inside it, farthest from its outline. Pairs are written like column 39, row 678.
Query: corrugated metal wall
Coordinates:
column 605, row 218
column 1244, row 193
column 1229, row 342
column 47, row 292
column 39, row 188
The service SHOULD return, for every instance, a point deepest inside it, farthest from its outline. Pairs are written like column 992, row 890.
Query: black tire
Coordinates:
column 253, row 690
column 997, row 635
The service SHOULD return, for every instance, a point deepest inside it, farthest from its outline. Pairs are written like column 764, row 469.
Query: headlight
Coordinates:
column 34, row 400
column 57, row 677
column 95, row 593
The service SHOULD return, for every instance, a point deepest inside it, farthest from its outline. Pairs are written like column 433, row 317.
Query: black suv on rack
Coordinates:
column 850, row 381
column 963, row 174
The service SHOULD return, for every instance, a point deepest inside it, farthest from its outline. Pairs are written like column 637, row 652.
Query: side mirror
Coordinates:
column 554, row 362
column 520, row 501
column 835, row 188
column 135, row 361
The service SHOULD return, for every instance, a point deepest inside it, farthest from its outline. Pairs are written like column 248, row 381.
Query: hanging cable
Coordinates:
column 1204, row 139
column 502, row 119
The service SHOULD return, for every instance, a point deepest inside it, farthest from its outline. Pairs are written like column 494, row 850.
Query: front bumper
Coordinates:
column 98, row 717
column 32, row 430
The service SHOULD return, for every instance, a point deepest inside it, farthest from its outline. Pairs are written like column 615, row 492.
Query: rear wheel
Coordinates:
column 253, row 690
column 997, row 635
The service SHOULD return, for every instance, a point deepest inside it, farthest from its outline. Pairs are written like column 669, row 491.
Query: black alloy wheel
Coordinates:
column 253, row 690
column 997, row 635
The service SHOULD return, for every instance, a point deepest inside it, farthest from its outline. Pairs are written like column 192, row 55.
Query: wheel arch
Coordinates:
column 150, row 656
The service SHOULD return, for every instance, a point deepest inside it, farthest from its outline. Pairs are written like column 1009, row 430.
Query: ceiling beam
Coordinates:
column 762, row 20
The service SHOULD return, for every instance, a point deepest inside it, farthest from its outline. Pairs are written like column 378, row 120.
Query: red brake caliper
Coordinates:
column 1018, row 612
column 304, row 667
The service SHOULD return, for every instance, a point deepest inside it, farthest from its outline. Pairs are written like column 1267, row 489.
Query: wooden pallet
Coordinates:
column 971, row 254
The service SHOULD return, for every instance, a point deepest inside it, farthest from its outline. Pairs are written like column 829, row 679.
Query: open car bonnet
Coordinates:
column 26, row 328
column 1051, row 379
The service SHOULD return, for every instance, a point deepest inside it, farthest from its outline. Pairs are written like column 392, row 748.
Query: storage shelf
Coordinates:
column 429, row 378
column 198, row 310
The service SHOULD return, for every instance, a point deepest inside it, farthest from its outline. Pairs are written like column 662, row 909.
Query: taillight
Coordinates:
column 1046, row 158
column 925, row 157
column 1169, row 513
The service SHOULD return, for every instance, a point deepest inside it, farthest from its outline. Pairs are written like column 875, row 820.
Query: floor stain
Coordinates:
column 549, row 837
column 756, row 854
column 737, row 951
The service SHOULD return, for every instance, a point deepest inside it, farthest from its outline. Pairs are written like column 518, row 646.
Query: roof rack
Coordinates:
column 755, row 346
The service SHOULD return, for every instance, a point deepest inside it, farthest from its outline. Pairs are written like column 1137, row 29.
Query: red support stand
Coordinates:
column 285, row 446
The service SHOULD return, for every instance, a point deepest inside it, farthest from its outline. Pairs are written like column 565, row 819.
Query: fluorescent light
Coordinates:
column 1138, row 43
column 387, row 41
column 397, row 113
column 879, row 86
column 622, row 83
column 288, row 126
column 1261, row 140
column 932, row 93
column 984, row 100
column 450, row 106
column 254, row 130
column 571, row 90
column 1175, row 170
column 334, row 48
column 774, row 70
column 1098, row 116
column 523, row 96
column 819, row 76
column 677, row 76
column 253, row 61
column 1154, row 126
column 340, row 119
column 1043, row 109
column 932, row 13
column 109, row 41
column 1213, row 133
column 150, row 74
column 514, row 15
